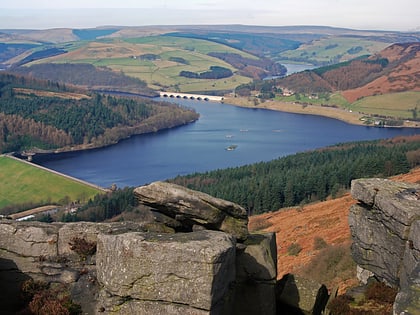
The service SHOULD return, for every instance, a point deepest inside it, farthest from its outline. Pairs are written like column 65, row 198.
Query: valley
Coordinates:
column 63, row 91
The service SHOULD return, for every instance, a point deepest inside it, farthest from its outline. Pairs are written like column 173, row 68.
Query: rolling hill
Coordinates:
column 393, row 69
column 158, row 54
column 158, row 61
column 385, row 84
column 400, row 75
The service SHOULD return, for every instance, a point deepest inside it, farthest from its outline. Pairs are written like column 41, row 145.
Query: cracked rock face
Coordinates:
column 196, row 273
column 385, row 227
column 191, row 208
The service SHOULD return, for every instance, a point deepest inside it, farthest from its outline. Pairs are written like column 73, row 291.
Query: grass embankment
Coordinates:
column 23, row 184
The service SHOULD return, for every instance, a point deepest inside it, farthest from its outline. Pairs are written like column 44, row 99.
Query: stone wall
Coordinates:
column 385, row 227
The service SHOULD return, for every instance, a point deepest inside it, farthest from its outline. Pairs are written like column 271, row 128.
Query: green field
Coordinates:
column 188, row 44
column 23, row 184
column 400, row 105
column 397, row 105
column 332, row 50
column 334, row 99
column 161, row 73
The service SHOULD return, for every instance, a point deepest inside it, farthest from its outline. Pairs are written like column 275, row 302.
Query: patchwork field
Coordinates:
column 23, row 184
column 159, row 71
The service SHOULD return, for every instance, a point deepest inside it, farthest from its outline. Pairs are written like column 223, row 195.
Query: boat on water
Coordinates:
column 231, row 147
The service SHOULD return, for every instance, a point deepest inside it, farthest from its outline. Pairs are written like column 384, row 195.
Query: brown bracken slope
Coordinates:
column 401, row 74
column 302, row 225
column 394, row 69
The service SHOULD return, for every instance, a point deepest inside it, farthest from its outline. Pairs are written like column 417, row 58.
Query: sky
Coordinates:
column 400, row 15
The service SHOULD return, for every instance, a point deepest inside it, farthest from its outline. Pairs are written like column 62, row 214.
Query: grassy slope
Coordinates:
column 319, row 49
column 393, row 104
column 21, row 183
column 160, row 73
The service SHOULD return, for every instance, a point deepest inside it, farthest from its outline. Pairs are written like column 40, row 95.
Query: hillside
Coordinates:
column 158, row 54
column 382, row 89
column 89, row 76
column 37, row 114
column 156, row 60
column 394, row 69
column 400, row 75
column 302, row 225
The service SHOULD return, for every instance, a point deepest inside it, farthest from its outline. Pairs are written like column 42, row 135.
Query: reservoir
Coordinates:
column 224, row 136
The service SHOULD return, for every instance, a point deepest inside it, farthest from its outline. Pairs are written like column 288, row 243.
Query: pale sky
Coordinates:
column 399, row 15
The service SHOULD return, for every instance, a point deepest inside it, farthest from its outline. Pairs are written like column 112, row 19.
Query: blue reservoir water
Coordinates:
column 259, row 134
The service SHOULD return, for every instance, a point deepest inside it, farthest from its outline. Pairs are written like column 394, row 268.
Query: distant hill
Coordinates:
column 401, row 73
column 172, row 55
column 56, row 35
column 394, row 69
column 87, row 75
column 250, row 52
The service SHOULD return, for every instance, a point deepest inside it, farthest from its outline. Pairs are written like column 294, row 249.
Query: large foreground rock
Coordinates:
column 408, row 298
column 194, row 276
column 41, row 251
column 385, row 228
column 192, row 208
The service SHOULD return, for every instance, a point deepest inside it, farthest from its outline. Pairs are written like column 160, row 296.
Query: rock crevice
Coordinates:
column 385, row 227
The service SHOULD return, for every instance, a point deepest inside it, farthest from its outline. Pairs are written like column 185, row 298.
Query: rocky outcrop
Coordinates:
column 147, row 268
column 40, row 251
column 188, row 210
column 135, row 271
column 385, row 227
column 212, row 265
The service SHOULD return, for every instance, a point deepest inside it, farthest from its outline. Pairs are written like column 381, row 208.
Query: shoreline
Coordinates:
column 353, row 118
column 32, row 155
